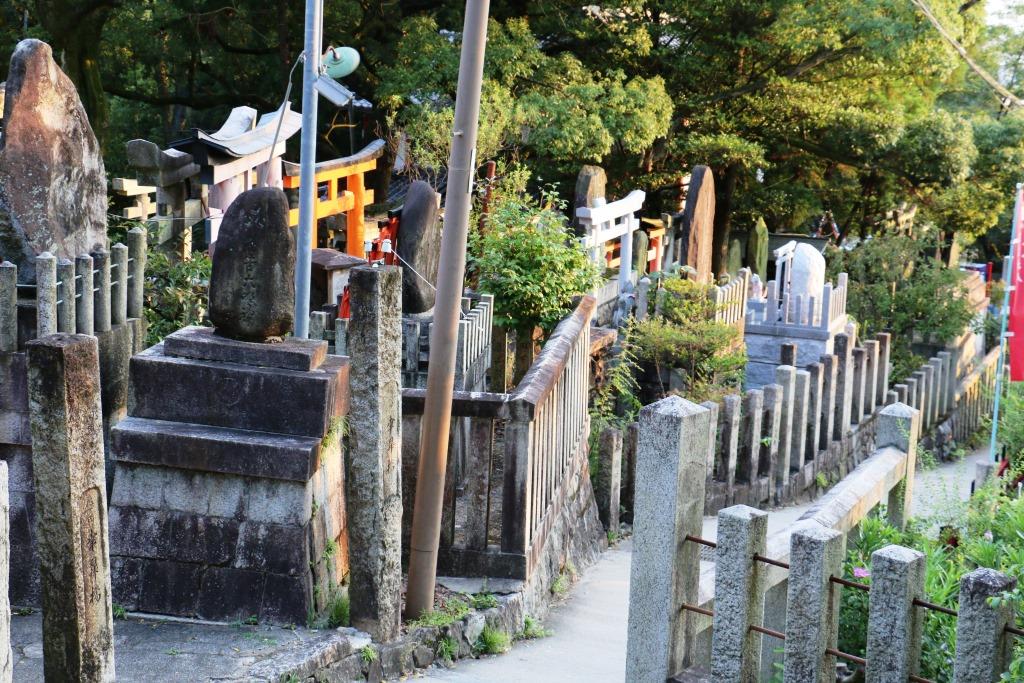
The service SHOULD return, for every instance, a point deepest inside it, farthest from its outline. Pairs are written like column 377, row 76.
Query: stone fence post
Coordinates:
column 894, row 622
column 983, row 648
column 84, row 303
column 46, row 294
column 119, row 284
column 669, row 505
column 101, row 286
column 373, row 491
column 71, row 508
column 8, row 307
column 136, row 270
column 66, row 296
column 739, row 594
column 607, row 487
column 812, row 605
column 899, row 426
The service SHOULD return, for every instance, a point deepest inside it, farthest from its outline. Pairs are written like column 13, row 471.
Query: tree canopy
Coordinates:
column 851, row 106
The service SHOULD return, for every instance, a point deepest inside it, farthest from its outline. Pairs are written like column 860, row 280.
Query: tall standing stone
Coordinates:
column 608, row 481
column 419, row 245
column 373, row 487
column 252, row 287
column 697, row 228
column 757, row 249
column 53, row 186
column 71, row 508
column 591, row 185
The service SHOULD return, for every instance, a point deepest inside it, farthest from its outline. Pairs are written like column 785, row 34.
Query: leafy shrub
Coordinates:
column 527, row 258
column 176, row 294
column 896, row 286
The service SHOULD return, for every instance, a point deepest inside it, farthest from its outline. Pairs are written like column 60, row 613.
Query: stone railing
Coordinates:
column 536, row 437
column 87, row 295
column 473, row 350
column 776, row 309
column 728, row 619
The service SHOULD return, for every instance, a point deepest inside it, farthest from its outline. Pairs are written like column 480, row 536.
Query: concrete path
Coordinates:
column 588, row 641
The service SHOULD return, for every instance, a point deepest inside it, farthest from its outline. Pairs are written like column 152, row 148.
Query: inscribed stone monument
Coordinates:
column 53, row 187
column 757, row 249
column 807, row 275
column 419, row 245
column 252, row 288
column 697, row 228
column 590, row 186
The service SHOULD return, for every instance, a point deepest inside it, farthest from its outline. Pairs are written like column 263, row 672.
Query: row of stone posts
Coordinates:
column 87, row 295
column 667, row 616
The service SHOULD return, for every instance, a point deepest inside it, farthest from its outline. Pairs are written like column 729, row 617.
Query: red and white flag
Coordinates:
column 1015, row 325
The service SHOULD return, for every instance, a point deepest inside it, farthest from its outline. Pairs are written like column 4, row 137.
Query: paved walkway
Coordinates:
column 588, row 641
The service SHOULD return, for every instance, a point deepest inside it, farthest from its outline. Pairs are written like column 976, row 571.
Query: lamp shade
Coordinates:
column 340, row 61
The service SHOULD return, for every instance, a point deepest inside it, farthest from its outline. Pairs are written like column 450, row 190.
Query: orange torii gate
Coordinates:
column 352, row 199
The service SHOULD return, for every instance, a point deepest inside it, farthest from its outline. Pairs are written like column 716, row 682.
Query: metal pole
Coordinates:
column 307, row 177
column 1011, row 283
column 433, row 456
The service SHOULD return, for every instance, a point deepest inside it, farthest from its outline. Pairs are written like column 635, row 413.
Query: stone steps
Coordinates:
column 222, row 450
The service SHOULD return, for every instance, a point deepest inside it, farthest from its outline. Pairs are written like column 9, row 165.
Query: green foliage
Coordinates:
column 895, row 286
column 686, row 337
column 368, row 654
column 527, row 259
column 985, row 534
column 492, row 642
column 560, row 586
column 119, row 611
column 452, row 610
column 1011, row 422
column 447, row 648
column 175, row 294
column 338, row 610
column 482, row 601
column 533, row 629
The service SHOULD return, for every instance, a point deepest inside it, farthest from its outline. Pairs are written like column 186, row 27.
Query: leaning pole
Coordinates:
column 433, row 455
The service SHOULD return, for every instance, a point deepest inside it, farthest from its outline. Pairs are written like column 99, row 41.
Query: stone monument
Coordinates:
column 806, row 276
column 757, row 249
column 228, row 497
column 697, row 227
column 419, row 245
column 252, row 287
column 53, row 187
column 591, row 184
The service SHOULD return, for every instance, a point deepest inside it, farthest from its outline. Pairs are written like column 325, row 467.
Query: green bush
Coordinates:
column 526, row 256
column 897, row 286
column 176, row 294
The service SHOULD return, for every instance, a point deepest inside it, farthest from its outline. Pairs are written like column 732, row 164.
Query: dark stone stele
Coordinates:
column 252, row 287
column 697, row 228
column 419, row 245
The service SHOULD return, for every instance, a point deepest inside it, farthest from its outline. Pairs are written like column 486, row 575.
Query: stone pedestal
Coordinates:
column 228, row 489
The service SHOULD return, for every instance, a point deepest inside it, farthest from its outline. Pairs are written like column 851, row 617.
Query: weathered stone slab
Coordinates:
column 6, row 655
column 242, row 397
column 373, row 491
column 71, row 507
column 419, row 245
column 252, row 286
column 698, row 223
column 203, row 343
column 215, row 449
column 53, row 186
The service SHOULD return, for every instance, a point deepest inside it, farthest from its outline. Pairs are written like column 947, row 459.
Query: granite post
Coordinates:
column 769, row 443
column 859, row 368
column 871, row 399
column 899, row 426
column 373, row 490
column 730, row 439
column 101, row 300
column 844, row 384
column 71, row 508
column 712, row 449
column 894, row 622
column 828, row 401
column 8, row 307
column 785, row 377
column 938, row 389
column 665, row 570
column 801, row 407
column 750, row 444
column 85, row 303
column 609, row 477
column 735, row 649
column 812, row 613
column 884, row 349
column 817, row 376
column 46, row 294
column 66, row 296
column 948, row 381
column 983, row 648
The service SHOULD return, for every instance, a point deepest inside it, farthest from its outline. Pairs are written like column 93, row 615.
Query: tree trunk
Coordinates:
column 725, row 190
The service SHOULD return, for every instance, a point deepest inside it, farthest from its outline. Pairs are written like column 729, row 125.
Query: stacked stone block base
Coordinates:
column 228, row 498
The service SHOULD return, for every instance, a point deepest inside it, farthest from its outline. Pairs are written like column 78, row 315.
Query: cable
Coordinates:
column 1009, row 98
column 280, row 112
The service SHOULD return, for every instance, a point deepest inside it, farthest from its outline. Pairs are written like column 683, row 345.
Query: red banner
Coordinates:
column 1016, row 322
